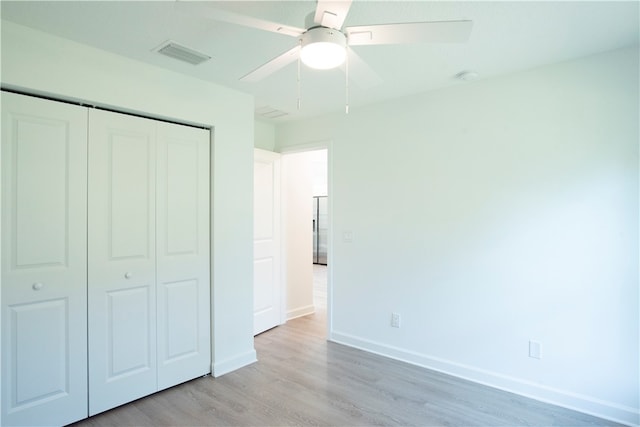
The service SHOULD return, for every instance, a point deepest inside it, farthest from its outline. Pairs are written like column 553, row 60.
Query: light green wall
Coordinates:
column 264, row 135
column 490, row 214
column 297, row 194
column 35, row 62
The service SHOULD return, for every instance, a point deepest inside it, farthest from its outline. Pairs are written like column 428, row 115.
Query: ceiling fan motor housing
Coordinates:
column 323, row 48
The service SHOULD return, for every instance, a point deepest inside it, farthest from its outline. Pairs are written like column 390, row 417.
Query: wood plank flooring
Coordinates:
column 303, row 380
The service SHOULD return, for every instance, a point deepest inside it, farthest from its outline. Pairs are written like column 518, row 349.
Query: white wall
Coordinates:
column 264, row 135
column 297, row 194
column 39, row 63
column 490, row 214
column 319, row 172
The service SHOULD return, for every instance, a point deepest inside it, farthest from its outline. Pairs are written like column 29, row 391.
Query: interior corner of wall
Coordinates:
column 233, row 363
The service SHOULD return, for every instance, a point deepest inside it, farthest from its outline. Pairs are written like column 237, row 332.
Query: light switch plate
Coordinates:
column 535, row 350
column 395, row 320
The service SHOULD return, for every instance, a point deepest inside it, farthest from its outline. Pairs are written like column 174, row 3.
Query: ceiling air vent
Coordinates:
column 269, row 112
column 181, row 53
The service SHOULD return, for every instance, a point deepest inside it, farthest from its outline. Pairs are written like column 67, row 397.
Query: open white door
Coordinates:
column 267, row 292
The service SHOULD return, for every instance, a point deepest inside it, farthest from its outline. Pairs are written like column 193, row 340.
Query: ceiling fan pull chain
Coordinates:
column 298, row 83
column 346, row 84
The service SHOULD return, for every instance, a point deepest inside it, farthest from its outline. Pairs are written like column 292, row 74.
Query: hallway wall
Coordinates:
column 297, row 194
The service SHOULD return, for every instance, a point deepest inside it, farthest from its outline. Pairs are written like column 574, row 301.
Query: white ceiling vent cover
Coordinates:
column 181, row 53
column 270, row 112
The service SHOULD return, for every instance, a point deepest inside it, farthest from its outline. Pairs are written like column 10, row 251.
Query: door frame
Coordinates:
column 325, row 144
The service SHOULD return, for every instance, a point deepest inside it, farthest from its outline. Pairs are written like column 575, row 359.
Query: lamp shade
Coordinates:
column 323, row 48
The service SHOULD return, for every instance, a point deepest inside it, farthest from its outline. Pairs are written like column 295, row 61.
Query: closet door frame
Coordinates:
column 164, row 365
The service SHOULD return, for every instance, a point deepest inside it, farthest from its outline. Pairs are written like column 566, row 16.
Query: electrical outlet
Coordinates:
column 395, row 320
column 535, row 350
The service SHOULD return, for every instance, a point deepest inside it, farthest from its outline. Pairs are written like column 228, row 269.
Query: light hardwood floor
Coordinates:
column 303, row 380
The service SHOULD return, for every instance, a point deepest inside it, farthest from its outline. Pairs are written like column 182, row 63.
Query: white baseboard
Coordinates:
column 301, row 311
column 586, row 404
column 229, row 365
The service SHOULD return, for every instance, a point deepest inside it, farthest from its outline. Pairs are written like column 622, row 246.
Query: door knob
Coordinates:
column 37, row 286
column 128, row 275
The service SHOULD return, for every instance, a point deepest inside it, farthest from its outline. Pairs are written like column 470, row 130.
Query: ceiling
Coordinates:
column 506, row 37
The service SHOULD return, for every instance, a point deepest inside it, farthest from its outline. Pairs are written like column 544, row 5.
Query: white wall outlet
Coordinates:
column 347, row 236
column 395, row 320
column 535, row 350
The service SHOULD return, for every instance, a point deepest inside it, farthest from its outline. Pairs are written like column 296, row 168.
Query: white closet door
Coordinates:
column 122, row 290
column 182, row 254
column 44, row 317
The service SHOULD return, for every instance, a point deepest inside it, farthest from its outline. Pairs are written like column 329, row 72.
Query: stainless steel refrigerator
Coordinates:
column 320, row 226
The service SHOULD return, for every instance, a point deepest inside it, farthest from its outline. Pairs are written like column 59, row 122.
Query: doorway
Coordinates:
column 306, row 231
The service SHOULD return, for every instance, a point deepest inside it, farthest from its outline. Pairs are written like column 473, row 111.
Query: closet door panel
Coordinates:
column 183, row 254
column 130, row 204
column 44, row 148
column 122, row 289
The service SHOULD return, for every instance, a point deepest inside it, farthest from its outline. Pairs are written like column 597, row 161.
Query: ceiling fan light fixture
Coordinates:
column 323, row 48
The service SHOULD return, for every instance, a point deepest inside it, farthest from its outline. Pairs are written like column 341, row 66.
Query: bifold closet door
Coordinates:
column 44, row 313
column 182, row 236
column 122, row 259
column 149, row 287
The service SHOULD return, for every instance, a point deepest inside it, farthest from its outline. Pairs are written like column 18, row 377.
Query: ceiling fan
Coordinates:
column 324, row 42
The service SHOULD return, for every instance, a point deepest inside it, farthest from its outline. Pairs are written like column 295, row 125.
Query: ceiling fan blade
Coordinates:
column 413, row 32
column 204, row 9
column 331, row 13
column 272, row 66
column 359, row 72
